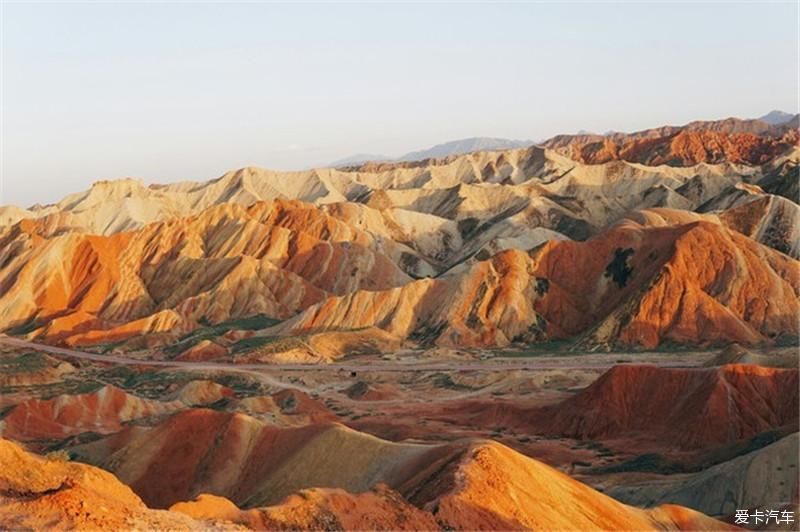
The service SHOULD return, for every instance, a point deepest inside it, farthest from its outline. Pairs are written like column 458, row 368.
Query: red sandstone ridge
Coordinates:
column 485, row 486
column 685, row 279
column 103, row 411
column 38, row 494
column 686, row 148
column 327, row 476
column 495, row 488
column 250, row 462
column 687, row 408
column 738, row 141
column 273, row 258
column 718, row 286
column 380, row 508
column 470, row 251
column 639, row 283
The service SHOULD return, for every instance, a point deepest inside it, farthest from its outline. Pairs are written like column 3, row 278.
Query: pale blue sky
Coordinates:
column 167, row 92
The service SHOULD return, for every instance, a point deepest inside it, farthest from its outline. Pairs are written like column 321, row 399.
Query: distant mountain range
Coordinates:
column 677, row 240
column 776, row 118
column 455, row 147
column 359, row 158
column 604, row 242
column 473, row 144
column 458, row 147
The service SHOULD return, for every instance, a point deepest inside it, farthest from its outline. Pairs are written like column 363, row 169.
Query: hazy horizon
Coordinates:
column 174, row 92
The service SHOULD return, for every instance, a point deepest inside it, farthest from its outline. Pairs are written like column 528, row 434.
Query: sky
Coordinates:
column 176, row 91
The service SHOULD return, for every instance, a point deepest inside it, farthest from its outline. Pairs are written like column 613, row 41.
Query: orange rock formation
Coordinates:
column 687, row 408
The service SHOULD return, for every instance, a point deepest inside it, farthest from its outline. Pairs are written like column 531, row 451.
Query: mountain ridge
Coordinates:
column 445, row 149
column 379, row 247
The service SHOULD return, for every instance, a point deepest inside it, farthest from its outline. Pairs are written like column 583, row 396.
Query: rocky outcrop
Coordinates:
column 683, row 408
column 384, row 246
column 307, row 478
column 103, row 411
column 658, row 277
column 733, row 140
column 38, row 493
column 225, row 263
column 764, row 478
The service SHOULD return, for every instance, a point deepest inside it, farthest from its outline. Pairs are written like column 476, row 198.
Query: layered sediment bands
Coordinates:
column 659, row 275
column 522, row 245
column 684, row 408
column 734, row 140
column 38, row 493
column 682, row 418
column 487, row 487
column 103, row 411
column 252, row 463
column 227, row 262
column 473, row 185
column 760, row 478
column 650, row 279
column 717, row 287
column 770, row 220
column 326, row 474
column 381, row 508
column 33, row 369
column 495, row 488
column 681, row 236
column 686, row 148
column 469, row 492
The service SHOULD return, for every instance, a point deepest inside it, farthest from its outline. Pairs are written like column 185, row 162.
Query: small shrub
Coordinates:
column 61, row 455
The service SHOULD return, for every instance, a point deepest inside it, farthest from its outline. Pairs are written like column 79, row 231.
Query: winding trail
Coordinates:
column 269, row 374
column 250, row 369
column 498, row 364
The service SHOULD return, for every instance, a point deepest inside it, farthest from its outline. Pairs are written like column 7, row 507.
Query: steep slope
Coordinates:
column 37, row 493
column 141, row 266
column 380, row 508
column 686, row 148
column 657, row 276
column 103, row 411
column 467, row 187
column 781, row 177
column 468, row 485
column 114, row 206
column 495, row 488
column 770, row 220
column 732, row 139
column 272, row 258
column 717, row 287
column 457, row 147
column 488, row 487
column 249, row 462
column 683, row 408
column 762, row 479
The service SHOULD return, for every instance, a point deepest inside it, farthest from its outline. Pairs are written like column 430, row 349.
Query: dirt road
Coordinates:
column 529, row 363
